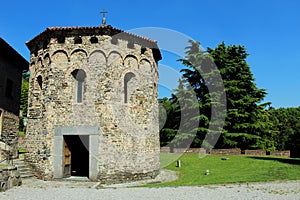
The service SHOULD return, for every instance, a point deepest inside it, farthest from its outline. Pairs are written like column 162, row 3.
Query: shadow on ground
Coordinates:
column 293, row 161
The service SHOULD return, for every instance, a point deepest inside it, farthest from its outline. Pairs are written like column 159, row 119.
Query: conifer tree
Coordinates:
column 247, row 124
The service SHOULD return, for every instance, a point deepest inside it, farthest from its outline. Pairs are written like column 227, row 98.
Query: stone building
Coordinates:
column 93, row 107
column 11, row 66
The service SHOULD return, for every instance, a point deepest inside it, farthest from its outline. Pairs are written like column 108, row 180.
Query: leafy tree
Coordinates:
column 24, row 99
column 286, row 124
column 169, row 119
column 24, row 93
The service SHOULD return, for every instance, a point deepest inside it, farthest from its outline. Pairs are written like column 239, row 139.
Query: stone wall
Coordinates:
column 234, row 151
column 257, row 152
column 4, row 149
column 286, row 153
column 9, row 177
column 10, row 128
column 183, row 150
column 124, row 110
column 165, row 149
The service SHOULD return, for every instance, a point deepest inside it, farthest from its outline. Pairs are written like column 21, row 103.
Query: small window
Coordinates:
column 127, row 78
column 77, row 40
column 40, row 81
column 45, row 44
column 61, row 40
column 94, row 40
column 9, row 88
column 143, row 50
column 79, row 76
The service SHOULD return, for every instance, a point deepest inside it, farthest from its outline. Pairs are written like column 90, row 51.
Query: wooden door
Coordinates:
column 67, row 161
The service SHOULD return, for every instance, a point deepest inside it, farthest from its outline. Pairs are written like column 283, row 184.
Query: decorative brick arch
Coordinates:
column 61, row 51
column 95, row 52
column 128, row 57
column 79, row 50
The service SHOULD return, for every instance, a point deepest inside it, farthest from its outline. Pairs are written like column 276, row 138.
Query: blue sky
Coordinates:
column 269, row 29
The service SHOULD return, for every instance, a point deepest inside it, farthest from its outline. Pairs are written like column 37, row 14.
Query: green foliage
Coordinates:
column 169, row 120
column 21, row 134
column 24, row 93
column 209, row 75
column 237, row 169
column 247, row 125
column 24, row 100
column 286, row 123
column 21, row 150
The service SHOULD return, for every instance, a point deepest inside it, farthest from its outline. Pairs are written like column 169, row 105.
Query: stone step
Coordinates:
column 18, row 161
column 21, row 166
column 27, row 176
column 24, row 170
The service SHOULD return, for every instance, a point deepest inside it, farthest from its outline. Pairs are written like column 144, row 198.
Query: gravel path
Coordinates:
column 73, row 190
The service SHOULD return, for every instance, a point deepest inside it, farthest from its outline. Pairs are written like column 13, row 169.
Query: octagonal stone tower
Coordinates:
column 93, row 107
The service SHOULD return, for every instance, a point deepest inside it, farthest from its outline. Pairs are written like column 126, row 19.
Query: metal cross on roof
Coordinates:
column 103, row 12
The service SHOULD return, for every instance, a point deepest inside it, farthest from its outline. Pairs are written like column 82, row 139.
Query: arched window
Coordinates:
column 128, row 76
column 40, row 81
column 79, row 76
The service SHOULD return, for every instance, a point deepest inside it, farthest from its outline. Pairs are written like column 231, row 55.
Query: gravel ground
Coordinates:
column 73, row 190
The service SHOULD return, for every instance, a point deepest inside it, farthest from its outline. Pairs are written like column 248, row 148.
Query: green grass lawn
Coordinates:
column 235, row 170
column 21, row 134
column 3, row 165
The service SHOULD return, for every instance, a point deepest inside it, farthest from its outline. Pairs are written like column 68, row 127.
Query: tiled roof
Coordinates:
column 97, row 27
column 92, row 30
column 87, row 28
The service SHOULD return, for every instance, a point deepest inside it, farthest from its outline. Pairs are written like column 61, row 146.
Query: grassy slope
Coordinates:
column 236, row 169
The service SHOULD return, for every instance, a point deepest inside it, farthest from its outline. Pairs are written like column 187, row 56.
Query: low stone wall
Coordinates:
column 165, row 149
column 235, row 151
column 201, row 151
column 286, row 153
column 3, row 150
column 121, row 177
column 189, row 150
column 9, row 177
column 257, row 152
column 10, row 129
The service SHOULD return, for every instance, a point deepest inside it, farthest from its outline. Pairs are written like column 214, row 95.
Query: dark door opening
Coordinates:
column 76, row 155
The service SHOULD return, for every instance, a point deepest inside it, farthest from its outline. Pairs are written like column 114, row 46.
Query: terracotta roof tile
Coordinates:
column 89, row 30
column 70, row 28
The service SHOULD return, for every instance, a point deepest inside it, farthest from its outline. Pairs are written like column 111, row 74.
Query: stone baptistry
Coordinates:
column 93, row 109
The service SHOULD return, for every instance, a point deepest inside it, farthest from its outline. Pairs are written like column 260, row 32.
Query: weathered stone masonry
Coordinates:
column 99, row 83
